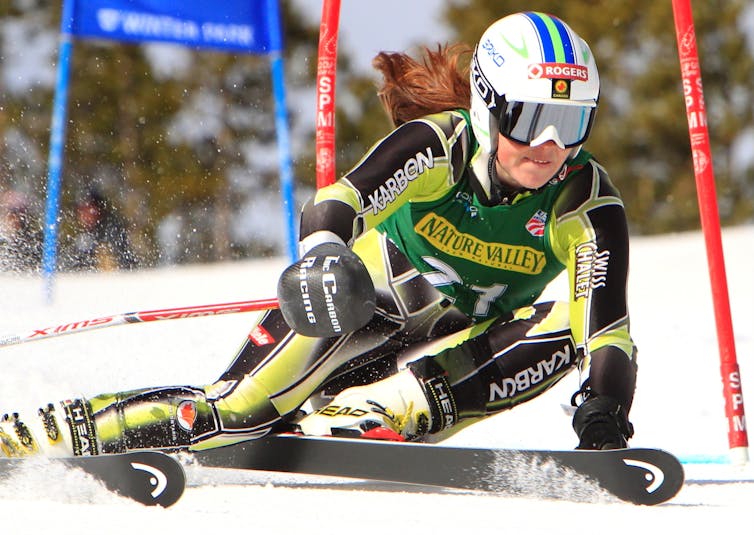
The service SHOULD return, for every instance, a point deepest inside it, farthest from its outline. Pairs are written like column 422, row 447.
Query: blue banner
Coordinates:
column 233, row 25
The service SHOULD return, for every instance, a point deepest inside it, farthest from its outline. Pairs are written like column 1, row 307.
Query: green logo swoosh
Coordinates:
column 522, row 51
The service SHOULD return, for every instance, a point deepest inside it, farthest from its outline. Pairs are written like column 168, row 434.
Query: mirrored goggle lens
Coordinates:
column 525, row 121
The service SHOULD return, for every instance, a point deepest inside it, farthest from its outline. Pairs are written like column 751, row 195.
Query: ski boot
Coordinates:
column 55, row 430
column 601, row 423
column 395, row 409
column 15, row 438
column 48, row 434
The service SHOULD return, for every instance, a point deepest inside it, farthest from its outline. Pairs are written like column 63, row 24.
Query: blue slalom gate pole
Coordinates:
column 281, row 125
column 57, row 144
column 87, row 24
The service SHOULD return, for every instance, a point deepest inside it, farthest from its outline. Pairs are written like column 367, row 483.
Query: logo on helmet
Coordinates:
column 561, row 89
column 482, row 86
column 560, row 71
column 496, row 57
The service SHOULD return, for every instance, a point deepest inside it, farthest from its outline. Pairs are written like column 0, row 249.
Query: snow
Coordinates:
column 678, row 407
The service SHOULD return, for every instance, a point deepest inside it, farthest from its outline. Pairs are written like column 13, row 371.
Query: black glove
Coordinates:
column 327, row 293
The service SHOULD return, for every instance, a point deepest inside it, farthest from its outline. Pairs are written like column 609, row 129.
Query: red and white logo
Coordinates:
column 261, row 336
column 186, row 414
column 558, row 71
column 536, row 225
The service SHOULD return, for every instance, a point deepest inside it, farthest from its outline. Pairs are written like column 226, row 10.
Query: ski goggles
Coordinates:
column 534, row 123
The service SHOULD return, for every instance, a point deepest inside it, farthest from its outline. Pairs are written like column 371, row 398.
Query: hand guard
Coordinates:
column 327, row 293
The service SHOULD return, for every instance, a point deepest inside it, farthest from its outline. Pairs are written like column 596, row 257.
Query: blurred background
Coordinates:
column 171, row 154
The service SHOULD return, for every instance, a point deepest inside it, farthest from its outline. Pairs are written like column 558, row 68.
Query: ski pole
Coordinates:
column 138, row 317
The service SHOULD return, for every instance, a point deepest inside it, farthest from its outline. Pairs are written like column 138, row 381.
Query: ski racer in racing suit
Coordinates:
column 414, row 307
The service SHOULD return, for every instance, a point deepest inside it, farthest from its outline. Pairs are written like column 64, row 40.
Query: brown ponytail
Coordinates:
column 439, row 81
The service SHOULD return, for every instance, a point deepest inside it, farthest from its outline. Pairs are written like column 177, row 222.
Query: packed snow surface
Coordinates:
column 678, row 407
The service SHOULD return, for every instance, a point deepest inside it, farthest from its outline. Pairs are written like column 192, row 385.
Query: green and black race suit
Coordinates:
column 457, row 283
column 416, row 187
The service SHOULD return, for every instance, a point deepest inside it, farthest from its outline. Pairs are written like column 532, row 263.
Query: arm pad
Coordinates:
column 328, row 292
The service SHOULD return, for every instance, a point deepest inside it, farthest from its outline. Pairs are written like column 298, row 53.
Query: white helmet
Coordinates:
column 533, row 79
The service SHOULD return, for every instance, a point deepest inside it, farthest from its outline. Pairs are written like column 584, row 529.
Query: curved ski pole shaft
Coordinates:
column 138, row 317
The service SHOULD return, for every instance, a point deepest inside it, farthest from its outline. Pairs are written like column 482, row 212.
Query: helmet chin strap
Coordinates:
column 504, row 193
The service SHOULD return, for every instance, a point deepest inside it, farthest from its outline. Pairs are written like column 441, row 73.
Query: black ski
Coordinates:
column 149, row 477
column 640, row 476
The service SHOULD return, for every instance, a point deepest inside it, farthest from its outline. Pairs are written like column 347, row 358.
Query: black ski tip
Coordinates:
column 148, row 477
column 159, row 479
column 651, row 476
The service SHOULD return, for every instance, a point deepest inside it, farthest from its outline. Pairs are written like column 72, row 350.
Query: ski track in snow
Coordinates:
column 678, row 407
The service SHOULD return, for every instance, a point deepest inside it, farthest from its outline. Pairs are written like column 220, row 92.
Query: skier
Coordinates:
column 413, row 309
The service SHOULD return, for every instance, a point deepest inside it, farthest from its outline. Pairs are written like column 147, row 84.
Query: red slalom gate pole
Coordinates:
column 710, row 219
column 327, row 62
column 138, row 317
